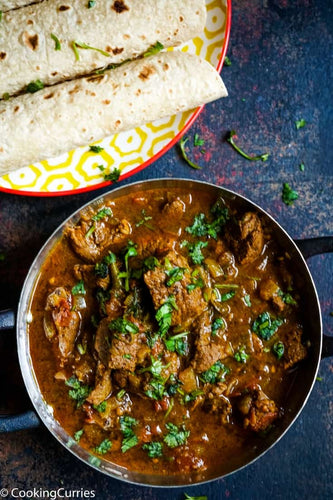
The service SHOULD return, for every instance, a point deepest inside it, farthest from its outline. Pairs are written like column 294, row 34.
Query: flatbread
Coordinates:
column 15, row 4
column 76, row 113
column 124, row 29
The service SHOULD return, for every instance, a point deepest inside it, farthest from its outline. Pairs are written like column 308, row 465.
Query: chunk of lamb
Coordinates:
column 246, row 238
column 259, row 411
column 92, row 247
column 159, row 245
column 207, row 350
column 189, row 304
column 61, row 322
column 102, row 387
column 269, row 290
column 294, row 350
column 216, row 402
column 125, row 351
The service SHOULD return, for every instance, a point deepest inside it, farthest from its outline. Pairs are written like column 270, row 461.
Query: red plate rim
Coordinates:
column 153, row 158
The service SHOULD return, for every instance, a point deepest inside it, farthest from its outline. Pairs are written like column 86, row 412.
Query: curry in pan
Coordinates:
column 166, row 330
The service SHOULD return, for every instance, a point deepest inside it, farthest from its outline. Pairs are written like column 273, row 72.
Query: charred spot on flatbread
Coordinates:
column 48, row 96
column 63, row 8
column 31, row 40
column 146, row 72
column 95, row 78
column 119, row 6
column 3, row 56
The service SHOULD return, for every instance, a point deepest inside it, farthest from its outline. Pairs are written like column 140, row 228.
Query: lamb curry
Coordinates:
column 166, row 329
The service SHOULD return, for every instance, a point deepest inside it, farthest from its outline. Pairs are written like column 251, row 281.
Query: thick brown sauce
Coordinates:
column 211, row 444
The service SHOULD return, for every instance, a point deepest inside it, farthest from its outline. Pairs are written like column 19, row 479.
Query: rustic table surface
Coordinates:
column 282, row 59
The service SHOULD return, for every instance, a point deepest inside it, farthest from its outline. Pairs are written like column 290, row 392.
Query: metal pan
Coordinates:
column 321, row 346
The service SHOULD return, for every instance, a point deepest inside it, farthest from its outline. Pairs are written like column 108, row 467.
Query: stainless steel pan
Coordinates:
column 321, row 346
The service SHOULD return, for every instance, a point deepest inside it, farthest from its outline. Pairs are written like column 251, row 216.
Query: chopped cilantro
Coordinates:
column 79, row 392
column 289, row 195
column 247, row 300
column 155, row 368
column 101, row 270
column 101, row 407
column 265, row 327
column 79, row 289
column 176, row 436
column 129, row 437
column 151, row 262
column 156, row 389
column 192, row 396
column 194, row 250
column 154, row 449
column 91, row 4
column 227, row 296
column 164, row 313
column 56, row 41
column 130, row 251
column 127, row 356
column 103, row 447
column 201, row 227
column 82, row 348
column 113, row 176
column 175, row 274
column 96, row 149
column 182, row 144
column 144, row 220
column 33, row 87
column 216, row 373
column 196, row 282
column 110, row 258
column 230, row 139
column 123, row 326
column 121, row 394
column 241, row 356
column 198, row 141
column 302, row 167
column 300, row 123
column 78, row 434
column 278, row 349
column 227, row 61
column 101, row 214
column 288, row 299
column 218, row 324
column 154, row 49
column 177, row 343
column 5, row 96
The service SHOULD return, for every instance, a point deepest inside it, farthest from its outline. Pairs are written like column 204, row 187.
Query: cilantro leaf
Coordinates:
column 103, row 447
column 113, row 176
column 56, row 41
column 79, row 289
column 156, row 389
column 164, row 315
column 96, row 149
column 155, row 449
column 33, row 87
column 300, row 123
column 175, row 274
column 102, row 214
column 289, row 195
column 182, row 144
column 218, row 324
column 241, row 356
column 178, row 343
column 265, row 327
column 123, row 326
column 198, row 141
column 230, row 139
column 78, row 434
column 177, row 436
column 216, row 373
column 278, row 349
column 79, row 392
column 154, row 49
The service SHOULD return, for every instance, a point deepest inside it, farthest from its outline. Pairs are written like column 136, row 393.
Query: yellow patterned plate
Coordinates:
column 77, row 171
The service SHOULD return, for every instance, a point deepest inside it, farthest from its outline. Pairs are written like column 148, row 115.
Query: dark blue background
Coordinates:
column 281, row 53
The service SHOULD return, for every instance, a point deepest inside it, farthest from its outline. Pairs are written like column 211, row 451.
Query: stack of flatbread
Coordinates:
column 97, row 70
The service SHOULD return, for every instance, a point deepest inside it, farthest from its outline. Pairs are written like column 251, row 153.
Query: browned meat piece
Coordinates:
column 149, row 245
column 217, row 402
column 207, row 350
column 102, row 387
column 102, row 343
column 61, row 321
column 269, row 291
column 85, row 370
column 189, row 304
column 114, row 306
column 259, row 411
column 173, row 212
column 246, row 238
column 125, row 378
column 294, row 350
column 189, row 379
column 92, row 247
column 124, row 351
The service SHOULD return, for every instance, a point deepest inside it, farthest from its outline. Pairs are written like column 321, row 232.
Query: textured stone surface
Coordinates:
column 281, row 53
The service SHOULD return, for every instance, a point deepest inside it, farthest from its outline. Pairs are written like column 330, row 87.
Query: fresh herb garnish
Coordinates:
column 265, row 327
column 194, row 250
column 201, row 227
column 82, row 348
column 202, row 497
column 126, row 426
column 96, row 149
column 112, row 176
column 289, row 195
column 226, row 296
column 278, row 349
column 192, row 396
column 247, row 300
column 302, row 167
column 300, row 123
column 227, row 61
column 102, row 214
column 182, row 144
column 154, row 49
column 241, row 356
column 81, row 45
column 33, row 87
column 78, row 435
column 154, row 449
column 175, row 274
column 101, row 407
column 5, row 96
column 164, row 313
column 91, row 4
column 151, row 262
column 288, row 299
column 218, row 324
column 123, row 326
column 197, row 141
column 144, row 220
column 130, row 251
column 103, row 447
column 79, row 392
column 216, row 373
column 156, row 389
column 101, row 270
column 230, row 139
column 177, row 436
column 57, row 43
column 177, row 343
column 155, row 368
column 79, row 289
column 196, row 282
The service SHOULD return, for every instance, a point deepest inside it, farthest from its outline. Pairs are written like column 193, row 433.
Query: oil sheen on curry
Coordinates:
column 166, row 327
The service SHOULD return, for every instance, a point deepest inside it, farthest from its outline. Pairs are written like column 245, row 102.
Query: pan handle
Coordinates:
column 315, row 246
column 24, row 421
column 7, row 320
